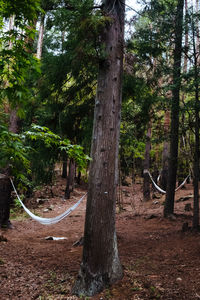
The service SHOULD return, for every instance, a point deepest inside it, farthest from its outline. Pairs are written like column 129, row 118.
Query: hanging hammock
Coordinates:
column 161, row 190
column 48, row 221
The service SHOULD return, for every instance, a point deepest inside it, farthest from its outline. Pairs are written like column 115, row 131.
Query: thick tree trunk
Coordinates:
column 100, row 265
column 174, row 134
column 146, row 180
column 5, row 196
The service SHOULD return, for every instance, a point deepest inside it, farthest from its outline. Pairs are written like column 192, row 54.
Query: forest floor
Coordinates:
column 160, row 259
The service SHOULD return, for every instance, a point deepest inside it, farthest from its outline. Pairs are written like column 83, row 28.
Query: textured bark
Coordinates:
column 5, row 196
column 40, row 38
column 70, row 179
column 186, row 39
column 78, row 178
column 174, row 133
column 14, row 121
column 196, row 154
column 146, row 180
column 11, row 27
column 197, row 31
column 165, row 154
column 100, row 265
column 64, row 169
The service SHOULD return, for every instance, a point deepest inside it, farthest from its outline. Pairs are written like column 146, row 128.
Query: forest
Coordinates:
column 99, row 140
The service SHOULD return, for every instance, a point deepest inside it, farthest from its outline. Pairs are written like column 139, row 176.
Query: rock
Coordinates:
column 41, row 201
column 54, row 238
column 179, row 279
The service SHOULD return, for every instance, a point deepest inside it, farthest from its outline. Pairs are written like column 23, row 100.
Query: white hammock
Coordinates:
column 48, row 221
column 161, row 190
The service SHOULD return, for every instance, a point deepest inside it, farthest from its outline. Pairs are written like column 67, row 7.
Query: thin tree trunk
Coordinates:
column 14, row 121
column 64, row 169
column 40, row 38
column 196, row 154
column 100, row 265
column 146, row 180
column 165, row 154
column 174, row 134
column 11, row 27
column 78, row 179
column 197, row 32
column 70, row 179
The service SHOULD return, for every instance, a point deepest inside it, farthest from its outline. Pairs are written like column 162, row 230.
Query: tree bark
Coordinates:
column 100, row 265
column 5, row 196
column 165, row 154
column 64, row 169
column 14, row 124
column 146, row 181
column 40, row 38
column 70, row 179
column 196, row 154
column 174, row 133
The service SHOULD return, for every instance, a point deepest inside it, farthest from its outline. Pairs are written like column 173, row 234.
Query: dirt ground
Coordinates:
column 160, row 260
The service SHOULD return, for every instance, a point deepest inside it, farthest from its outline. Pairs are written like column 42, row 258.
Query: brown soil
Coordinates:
column 160, row 260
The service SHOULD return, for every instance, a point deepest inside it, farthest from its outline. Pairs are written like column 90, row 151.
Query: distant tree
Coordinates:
column 175, row 104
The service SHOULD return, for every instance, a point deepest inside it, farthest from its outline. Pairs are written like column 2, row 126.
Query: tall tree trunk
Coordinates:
column 5, row 185
column 196, row 154
column 40, row 38
column 174, row 134
column 186, row 38
column 146, row 180
column 11, row 27
column 165, row 153
column 100, row 265
column 197, row 32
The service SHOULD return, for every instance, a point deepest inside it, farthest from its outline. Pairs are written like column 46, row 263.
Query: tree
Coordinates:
column 174, row 133
column 146, row 181
column 16, row 62
column 195, row 44
column 100, row 265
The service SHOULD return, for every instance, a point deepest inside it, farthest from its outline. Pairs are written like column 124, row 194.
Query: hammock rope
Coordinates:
column 161, row 190
column 48, row 221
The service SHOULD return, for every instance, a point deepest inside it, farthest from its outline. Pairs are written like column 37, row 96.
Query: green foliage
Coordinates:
column 67, row 86
column 138, row 100
column 14, row 154
column 17, row 62
column 36, row 152
column 48, row 149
